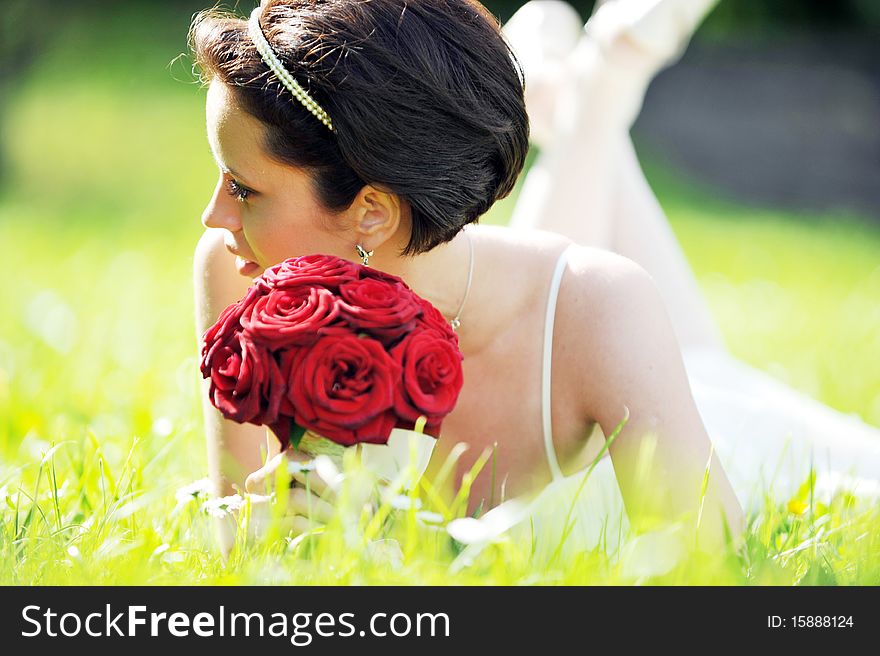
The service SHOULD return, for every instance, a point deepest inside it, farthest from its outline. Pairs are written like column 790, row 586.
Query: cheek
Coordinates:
column 292, row 233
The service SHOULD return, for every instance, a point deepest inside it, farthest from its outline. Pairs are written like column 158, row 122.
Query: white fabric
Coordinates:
column 764, row 432
column 548, row 354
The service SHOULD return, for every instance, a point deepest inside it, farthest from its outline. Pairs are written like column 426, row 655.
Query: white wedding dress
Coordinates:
column 764, row 433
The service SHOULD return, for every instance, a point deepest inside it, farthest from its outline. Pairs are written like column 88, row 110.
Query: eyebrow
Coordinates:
column 225, row 168
column 235, row 175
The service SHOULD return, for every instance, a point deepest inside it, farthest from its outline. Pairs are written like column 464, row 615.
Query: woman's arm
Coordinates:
column 233, row 449
column 636, row 368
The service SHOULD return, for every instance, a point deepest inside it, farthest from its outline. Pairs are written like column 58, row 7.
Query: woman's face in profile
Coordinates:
column 268, row 208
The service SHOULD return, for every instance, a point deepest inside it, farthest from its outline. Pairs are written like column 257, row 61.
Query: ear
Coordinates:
column 376, row 215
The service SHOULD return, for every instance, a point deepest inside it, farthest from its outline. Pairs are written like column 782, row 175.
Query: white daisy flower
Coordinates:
column 403, row 502
column 195, row 490
column 219, row 508
column 429, row 517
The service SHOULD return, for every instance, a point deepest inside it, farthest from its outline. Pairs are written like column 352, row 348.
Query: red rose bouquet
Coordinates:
column 321, row 347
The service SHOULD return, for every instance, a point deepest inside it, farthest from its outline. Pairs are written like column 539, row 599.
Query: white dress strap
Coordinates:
column 546, row 407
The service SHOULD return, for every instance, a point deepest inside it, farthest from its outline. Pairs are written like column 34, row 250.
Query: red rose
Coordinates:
column 288, row 358
column 246, row 382
column 230, row 319
column 369, row 273
column 342, row 388
column 432, row 376
column 290, row 316
column 387, row 310
column 315, row 269
column 225, row 327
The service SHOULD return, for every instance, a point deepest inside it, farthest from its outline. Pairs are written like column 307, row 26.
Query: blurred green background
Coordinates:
column 106, row 169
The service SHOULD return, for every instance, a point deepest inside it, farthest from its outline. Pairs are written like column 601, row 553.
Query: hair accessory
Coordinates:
column 364, row 255
column 275, row 65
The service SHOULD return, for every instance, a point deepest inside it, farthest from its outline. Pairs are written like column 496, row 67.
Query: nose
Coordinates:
column 222, row 211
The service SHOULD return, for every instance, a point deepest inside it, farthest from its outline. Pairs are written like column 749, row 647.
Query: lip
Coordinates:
column 246, row 267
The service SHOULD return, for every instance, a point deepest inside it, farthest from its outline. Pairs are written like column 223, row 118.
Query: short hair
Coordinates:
column 426, row 97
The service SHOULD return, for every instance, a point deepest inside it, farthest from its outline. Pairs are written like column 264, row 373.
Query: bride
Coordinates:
column 388, row 128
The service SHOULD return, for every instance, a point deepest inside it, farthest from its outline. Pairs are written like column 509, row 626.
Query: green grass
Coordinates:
column 99, row 400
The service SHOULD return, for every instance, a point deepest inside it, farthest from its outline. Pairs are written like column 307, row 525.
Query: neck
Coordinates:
column 439, row 276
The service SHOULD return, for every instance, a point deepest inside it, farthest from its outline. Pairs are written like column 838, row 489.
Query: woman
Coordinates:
column 411, row 125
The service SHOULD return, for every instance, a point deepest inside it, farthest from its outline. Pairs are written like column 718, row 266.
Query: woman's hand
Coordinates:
column 310, row 496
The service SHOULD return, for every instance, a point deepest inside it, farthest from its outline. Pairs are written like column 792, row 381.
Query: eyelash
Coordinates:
column 238, row 192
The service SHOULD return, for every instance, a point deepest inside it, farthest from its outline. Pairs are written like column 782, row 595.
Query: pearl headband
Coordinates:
column 275, row 65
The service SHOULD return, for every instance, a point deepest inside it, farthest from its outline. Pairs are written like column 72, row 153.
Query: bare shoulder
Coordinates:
column 593, row 269
column 529, row 243
column 599, row 289
column 613, row 293
column 620, row 327
column 517, row 258
column 595, row 281
column 599, row 272
column 605, row 287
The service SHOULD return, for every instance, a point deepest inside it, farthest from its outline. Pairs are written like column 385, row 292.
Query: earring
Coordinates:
column 364, row 255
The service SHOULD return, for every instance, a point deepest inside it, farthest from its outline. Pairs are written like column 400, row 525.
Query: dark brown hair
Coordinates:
column 425, row 95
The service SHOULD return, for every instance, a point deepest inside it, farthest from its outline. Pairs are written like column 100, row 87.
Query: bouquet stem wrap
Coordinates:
column 386, row 461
